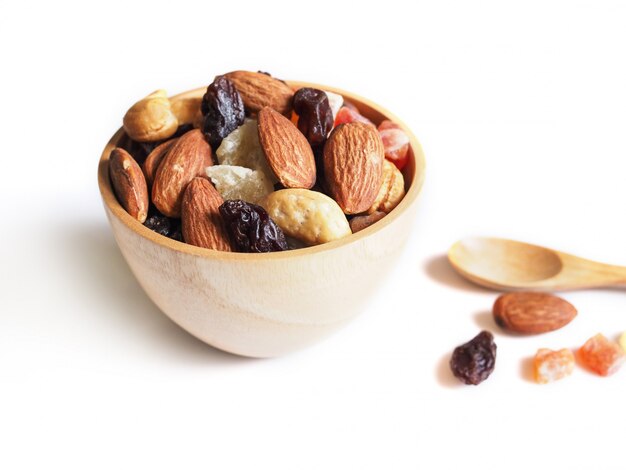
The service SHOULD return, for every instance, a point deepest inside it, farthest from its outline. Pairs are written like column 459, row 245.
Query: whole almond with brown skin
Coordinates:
column 287, row 151
column 129, row 184
column 202, row 222
column 353, row 165
column 258, row 90
column 185, row 160
column 532, row 312
column 152, row 162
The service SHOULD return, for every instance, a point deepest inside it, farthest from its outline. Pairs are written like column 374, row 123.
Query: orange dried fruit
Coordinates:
column 549, row 365
column 602, row 356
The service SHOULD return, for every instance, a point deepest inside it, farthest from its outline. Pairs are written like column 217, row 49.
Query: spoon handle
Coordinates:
column 580, row 272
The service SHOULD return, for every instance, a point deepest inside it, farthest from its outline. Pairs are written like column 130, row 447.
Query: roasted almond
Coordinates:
column 185, row 160
column 532, row 312
column 201, row 220
column 353, row 165
column 152, row 162
column 288, row 153
column 129, row 184
column 259, row 90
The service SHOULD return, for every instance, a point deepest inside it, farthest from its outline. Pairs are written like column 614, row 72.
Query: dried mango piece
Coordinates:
column 601, row 356
column 622, row 341
column 550, row 365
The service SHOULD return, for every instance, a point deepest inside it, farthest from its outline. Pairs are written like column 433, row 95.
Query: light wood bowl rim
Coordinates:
column 409, row 199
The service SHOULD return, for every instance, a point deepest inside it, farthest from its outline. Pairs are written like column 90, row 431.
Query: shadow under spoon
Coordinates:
column 502, row 264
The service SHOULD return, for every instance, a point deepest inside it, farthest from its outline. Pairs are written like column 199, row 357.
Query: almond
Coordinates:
column 151, row 164
column 129, row 184
column 353, row 164
column 186, row 159
column 201, row 220
column 532, row 312
column 287, row 151
column 259, row 90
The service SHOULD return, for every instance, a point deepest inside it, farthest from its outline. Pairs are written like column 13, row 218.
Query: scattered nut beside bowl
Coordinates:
column 256, row 174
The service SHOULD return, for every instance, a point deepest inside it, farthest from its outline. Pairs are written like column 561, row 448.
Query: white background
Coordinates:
column 521, row 110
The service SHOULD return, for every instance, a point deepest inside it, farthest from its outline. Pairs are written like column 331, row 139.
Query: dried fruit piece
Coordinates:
column 259, row 90
column 223, row 110
column 601, row 356
column 185, row 160
column 129, row 184
column 152, row 162
column 201, row 220
column 163, row 225
column 622, row 340
column 396, row 143
column 549, row 365
column 353, row 166
column 391, row 190
column 151, row 118
column 242, row 148
column 361, row 222
column 315, row 117
column 335, row 101
column 532, row 312
column 306, row 215
column 251, row 229
column 288, row 153
column 237, row 182
column 348, row 114
column 474, row 361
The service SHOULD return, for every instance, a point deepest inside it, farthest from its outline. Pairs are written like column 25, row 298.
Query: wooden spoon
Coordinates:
column 510, row 265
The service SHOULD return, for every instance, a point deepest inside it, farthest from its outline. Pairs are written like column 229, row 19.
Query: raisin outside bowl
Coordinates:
column 265, row 304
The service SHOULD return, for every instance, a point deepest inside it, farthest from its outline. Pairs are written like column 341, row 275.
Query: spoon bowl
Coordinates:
column 503, row 264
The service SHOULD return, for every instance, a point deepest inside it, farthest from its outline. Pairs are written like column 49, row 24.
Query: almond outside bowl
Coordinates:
column 269, row 304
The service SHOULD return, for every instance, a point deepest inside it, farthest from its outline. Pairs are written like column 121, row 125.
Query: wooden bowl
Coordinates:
column 269, row 304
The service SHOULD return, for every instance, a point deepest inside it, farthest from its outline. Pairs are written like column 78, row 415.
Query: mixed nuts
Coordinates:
column 256, row 166
column 534, row 313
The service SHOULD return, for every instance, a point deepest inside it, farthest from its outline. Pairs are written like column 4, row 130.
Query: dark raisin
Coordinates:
column 475, row 360
column 223, row 110
column 163, row 225
column 250, row 228
column 315, row 118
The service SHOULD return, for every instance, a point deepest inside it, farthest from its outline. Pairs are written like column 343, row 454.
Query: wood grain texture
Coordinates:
column 269, row 304
column 503, row 264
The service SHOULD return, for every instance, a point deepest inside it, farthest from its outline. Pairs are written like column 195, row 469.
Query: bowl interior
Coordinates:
column 413, row 176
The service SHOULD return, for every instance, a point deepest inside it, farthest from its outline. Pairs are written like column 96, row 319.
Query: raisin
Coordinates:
column 315, row 118
column 223, row 110
column 251, row 229
column 163, row 225
column 475, row 360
